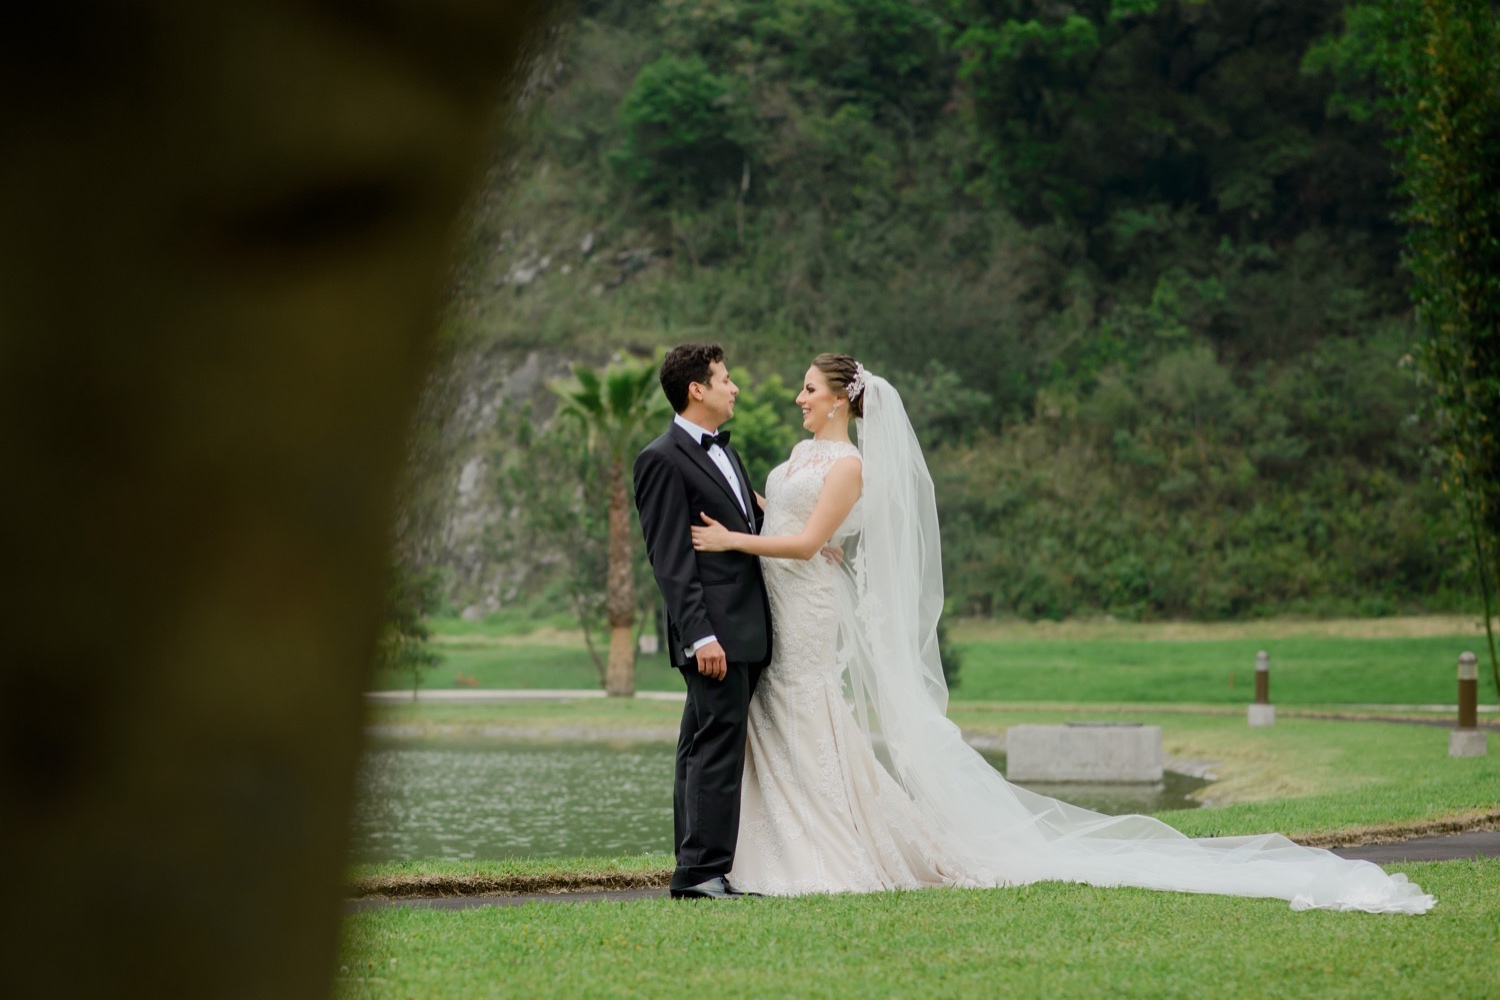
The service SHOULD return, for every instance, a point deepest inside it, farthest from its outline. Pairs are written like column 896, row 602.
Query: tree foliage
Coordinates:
column 678, row 130
column 555, row 509
column 1134, row 265
column 1177, row 491
column 1445, row 79
column 614, row 410
column 766, row 424
column 403, row 647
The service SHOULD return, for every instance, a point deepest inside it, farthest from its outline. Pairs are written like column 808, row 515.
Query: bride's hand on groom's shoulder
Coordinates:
column 711, row 536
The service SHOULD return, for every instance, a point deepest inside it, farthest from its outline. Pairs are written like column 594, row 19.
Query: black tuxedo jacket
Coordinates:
column 706, row 593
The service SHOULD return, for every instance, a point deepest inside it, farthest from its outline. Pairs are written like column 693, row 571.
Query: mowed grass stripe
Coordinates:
column 1305, row 670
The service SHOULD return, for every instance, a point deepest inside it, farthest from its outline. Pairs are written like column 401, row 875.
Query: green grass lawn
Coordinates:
column 520, row 664
column 1305, row 777
column 541, row 719
column 1121, row 662
column 513, row 651
column 1043, row 940
column 1304, row 670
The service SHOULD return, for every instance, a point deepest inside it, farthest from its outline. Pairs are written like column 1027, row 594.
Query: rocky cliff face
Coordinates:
column 460, row 440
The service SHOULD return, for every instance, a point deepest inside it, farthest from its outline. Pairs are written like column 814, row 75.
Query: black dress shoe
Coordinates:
column 714, row 888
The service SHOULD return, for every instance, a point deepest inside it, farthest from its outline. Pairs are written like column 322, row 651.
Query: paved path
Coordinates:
column 483, row 695
column 1479, row 844
column 1451, row 847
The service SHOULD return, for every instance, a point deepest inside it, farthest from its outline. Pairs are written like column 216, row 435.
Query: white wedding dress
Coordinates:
column 818, row 812
column 855, row 780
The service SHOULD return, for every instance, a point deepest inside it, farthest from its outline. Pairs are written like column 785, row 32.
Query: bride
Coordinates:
column 855, row 780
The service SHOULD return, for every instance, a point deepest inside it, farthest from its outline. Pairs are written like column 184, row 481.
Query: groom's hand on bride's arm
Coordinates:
column 713, row 662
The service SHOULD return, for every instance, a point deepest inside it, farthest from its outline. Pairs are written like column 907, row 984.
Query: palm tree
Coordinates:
column 614, row 408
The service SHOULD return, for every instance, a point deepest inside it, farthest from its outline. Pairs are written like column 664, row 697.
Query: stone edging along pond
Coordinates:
column 1394, row 833
column 409, row 886
column 414, row 886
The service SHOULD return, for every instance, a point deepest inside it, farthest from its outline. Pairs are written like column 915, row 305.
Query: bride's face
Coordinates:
column 818, row 401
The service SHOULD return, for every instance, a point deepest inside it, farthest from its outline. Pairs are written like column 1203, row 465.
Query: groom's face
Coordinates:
column 719, row 392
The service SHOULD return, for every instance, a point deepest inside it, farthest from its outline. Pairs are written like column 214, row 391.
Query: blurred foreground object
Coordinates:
column 225, row 240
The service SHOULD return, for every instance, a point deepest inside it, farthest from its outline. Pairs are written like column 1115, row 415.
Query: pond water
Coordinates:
column 490, row 799
column 485, row 798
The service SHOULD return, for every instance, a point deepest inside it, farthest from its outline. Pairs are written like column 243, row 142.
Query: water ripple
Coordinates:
column 484, row 798
column 462, row 800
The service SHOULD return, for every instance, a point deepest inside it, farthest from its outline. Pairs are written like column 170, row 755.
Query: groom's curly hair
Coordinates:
column 684, row 365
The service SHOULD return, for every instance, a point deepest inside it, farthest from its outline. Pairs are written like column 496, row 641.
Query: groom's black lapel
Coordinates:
column 751, row 506
column 699, row 456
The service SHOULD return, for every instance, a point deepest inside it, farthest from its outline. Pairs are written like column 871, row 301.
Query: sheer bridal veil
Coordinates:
column 889, row 599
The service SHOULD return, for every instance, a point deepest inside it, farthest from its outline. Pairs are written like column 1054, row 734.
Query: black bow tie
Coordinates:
column 709, row 440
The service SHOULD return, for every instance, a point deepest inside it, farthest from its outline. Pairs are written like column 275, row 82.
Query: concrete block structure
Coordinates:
column 1467, row 743
column 1123, row 752
column 1262, row 715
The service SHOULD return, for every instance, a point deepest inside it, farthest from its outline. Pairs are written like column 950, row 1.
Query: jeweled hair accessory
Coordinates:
column 857, row 383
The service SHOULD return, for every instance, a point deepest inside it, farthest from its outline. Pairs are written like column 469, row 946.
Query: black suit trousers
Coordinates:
column 710, row 770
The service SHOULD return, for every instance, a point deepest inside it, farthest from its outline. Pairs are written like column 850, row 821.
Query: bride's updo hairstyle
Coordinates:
column 840, row 370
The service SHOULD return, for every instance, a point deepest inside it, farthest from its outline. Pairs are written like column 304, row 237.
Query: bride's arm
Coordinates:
column 840, row 489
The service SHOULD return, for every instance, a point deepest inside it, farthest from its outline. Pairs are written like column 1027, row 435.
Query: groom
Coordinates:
column 718, row 616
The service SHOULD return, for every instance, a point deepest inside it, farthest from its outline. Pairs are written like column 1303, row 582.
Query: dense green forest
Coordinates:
column 1134, row 266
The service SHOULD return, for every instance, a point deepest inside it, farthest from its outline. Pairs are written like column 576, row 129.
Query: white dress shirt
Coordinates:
column 719, row 456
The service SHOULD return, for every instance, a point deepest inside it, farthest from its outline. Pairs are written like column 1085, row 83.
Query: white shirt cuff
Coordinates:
column 692, row 651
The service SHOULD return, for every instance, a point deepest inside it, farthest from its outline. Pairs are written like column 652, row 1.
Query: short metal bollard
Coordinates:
column 1468, row 740
column 1262, row 712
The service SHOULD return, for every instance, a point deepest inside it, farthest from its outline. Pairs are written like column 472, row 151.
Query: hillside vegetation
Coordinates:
column 1132, row 264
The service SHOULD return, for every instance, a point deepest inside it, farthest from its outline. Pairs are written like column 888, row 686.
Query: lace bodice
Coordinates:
column 793, row 487
column 801, row 590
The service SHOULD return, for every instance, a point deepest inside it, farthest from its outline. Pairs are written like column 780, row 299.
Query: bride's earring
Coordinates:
column 834, row 411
